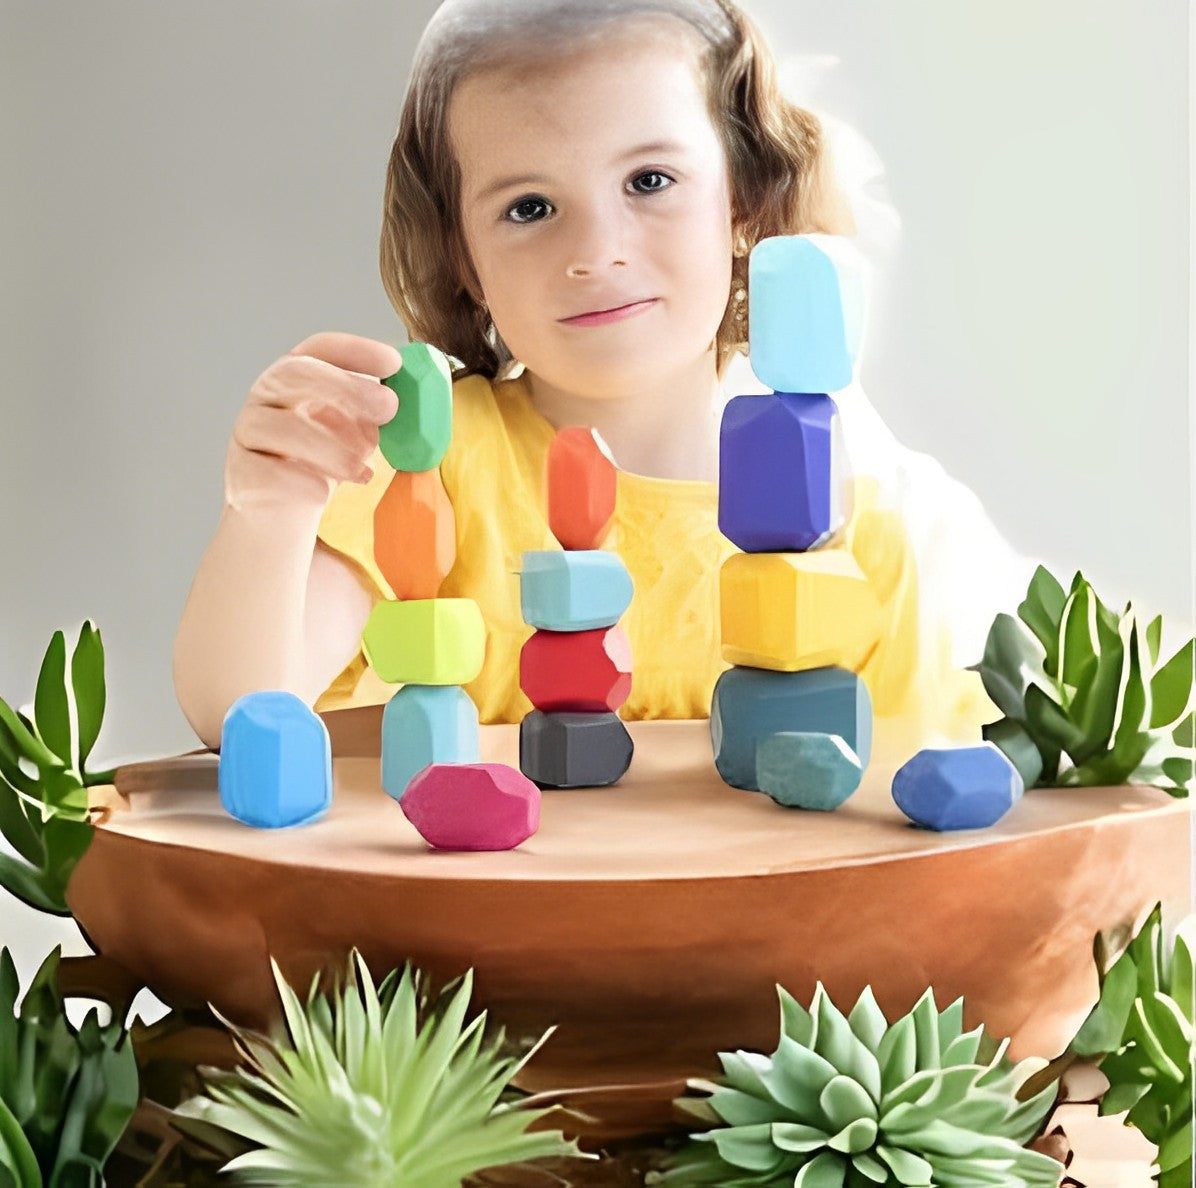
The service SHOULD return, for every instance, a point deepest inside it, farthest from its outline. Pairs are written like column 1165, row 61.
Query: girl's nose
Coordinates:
column 600, row 243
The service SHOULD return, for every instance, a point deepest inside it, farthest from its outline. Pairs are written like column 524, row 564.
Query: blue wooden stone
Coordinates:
column 750, row 704
column 574, row 750
column 275, row 761
column 425, row 724
column 573, row 589
column 780, row 469
column 800, row 335
column 802, row 769
column 957, row 788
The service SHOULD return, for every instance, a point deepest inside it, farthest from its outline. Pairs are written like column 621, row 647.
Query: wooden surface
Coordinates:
column 649, row 921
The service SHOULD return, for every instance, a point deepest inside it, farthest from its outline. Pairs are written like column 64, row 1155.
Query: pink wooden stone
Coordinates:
column 472, row 806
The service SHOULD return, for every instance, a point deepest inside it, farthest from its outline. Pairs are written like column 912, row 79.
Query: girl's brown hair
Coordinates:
column 780, row 171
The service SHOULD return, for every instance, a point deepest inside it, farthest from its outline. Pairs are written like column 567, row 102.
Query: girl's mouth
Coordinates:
column 600, row 317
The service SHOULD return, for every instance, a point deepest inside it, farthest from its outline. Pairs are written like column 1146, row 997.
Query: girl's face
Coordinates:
column 596, row 209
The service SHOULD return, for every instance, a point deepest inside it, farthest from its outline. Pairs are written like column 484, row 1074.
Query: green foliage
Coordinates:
column 44, row 775
column 371, row 1087
column 854, row 1101
column 1143, row 1033
column 66, row 1095
column 1074, row 679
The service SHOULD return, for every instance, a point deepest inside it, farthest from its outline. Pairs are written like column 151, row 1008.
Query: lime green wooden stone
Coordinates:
column 426, row 641
column 419, row 433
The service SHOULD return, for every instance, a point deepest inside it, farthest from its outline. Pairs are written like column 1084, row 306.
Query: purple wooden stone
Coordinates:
column 957, row 788
column 472, row 806
column 779, row 472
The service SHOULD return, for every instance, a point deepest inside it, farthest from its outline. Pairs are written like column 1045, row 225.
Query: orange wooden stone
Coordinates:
column 415, row 534
column 581, row 488
column 576, row 671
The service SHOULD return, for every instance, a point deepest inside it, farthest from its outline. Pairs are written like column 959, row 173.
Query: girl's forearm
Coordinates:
column 243, row 624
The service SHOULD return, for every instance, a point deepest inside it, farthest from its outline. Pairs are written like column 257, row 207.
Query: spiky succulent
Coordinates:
column 1076, row 680
column 370, row 1086
column 66, row 1093
column 1142, row 1032
column 854, row 1101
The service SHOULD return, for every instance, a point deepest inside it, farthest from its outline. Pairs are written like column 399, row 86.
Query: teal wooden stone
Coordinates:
column 418, row 435
column 957, row 787
column 425, row 724
column 573, row 589
column 275, row 761
column 751, row 704
column 802, row 769
column 801, row 333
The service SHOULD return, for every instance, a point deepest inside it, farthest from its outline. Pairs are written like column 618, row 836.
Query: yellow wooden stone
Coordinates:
column 426, row 641
column 793, row 611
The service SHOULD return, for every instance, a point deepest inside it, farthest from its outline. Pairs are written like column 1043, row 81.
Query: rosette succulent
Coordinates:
column 852, row 1101
column 1085, row 699
column 371, row 1087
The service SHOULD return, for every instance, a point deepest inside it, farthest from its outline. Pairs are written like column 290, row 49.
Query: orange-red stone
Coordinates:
column 576, row 671
column 581, row 488
column 415, row 534
column 472, row 806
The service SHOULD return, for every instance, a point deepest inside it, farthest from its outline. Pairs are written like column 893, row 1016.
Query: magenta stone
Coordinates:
column 472, row 806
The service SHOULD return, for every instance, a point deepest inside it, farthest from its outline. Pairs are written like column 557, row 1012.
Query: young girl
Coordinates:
column 570, row 202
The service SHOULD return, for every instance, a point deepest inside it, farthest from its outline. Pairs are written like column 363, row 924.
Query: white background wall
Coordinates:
column 188, row 189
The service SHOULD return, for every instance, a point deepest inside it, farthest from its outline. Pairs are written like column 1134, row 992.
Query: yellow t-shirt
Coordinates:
column 666, row 532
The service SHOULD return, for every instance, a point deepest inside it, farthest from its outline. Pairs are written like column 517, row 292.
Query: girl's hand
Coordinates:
column 311, row 421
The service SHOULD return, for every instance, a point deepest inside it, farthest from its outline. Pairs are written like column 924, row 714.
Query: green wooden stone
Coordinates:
column 419, row 434
column 807, row 770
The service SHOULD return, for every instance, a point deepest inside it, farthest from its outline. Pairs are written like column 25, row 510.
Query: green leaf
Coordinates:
column 51, row 709
column 1047, row 720
column 21, row 831
column 1011, row 661
column 15, row 734
column 1094, row 707
column 16, row 1155
column 1154, row 638
column 28, row 885
column 1077, row 636
column 1019, row 748
column 1042, row 612
column 87, row 680
column 1102, row 1030
column 1171, row 687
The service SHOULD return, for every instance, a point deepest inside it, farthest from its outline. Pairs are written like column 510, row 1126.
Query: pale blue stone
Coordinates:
column 275, row 761
column 805, row 315
column 957, row 788
column 425, row 724
column 573, row 589
column 801, row 769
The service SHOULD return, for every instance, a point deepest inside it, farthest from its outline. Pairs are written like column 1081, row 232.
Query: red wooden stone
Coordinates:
column 576, row 671
column 581, row 488
column 472, row 806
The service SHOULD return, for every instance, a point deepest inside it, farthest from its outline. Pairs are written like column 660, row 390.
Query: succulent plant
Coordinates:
column 1076, row 680
column 66, row 1094
column 854, row 1101
column 371, row 1087
column 44, row 816
column 1142, row 1032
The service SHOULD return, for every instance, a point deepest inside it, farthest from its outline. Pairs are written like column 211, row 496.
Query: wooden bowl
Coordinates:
column 649, row 921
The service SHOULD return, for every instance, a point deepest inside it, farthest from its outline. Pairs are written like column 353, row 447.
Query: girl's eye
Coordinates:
column 527, row 210
column 651, row 182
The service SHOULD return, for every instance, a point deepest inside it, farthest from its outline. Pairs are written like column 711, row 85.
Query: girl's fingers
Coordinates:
column 281, row 433
column 297, row 379
column 351, row 352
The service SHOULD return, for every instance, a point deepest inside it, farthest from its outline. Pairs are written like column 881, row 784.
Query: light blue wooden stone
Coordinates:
column 957, row 788
column 275, row 761
column 801, row 769
column 798, row 339
column 425, row 724
column 573, row 589
column 750, row 704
